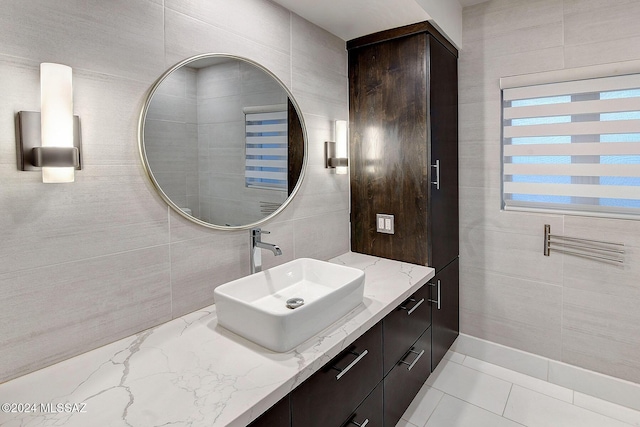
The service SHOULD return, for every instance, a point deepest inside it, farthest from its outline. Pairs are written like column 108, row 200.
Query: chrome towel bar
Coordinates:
column 585, row 248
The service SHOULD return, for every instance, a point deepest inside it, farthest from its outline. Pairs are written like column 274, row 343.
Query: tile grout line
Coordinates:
column 548, row 363
column 434, row 409
column 573, row 392
column 507, row 401
column 519, row 373
column 468, row 403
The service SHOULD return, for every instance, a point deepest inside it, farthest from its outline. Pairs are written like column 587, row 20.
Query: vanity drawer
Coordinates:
column 406, row 378
column 370, row 412
column 403, row 326
column 329, row 396
column 279, row 415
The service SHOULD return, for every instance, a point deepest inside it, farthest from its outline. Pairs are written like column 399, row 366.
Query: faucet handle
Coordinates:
column 257, row 232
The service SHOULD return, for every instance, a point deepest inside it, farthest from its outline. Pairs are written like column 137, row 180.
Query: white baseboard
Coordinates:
column 592, row 383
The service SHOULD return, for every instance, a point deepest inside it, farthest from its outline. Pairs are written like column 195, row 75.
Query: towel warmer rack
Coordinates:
column 592, row 249
column 269, row 207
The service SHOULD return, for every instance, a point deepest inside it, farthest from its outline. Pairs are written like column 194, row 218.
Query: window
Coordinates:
column 573, row 146
column 266, row 147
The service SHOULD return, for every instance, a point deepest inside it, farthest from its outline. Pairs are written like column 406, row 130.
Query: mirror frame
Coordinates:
column 147, row 168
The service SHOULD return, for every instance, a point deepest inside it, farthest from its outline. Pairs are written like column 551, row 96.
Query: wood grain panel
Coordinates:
column 388, row 143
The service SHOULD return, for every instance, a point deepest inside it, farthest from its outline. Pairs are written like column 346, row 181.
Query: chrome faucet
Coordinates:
column 256, row 245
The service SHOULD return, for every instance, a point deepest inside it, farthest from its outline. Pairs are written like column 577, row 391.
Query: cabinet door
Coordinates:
column 328, row 397
column 443, row 137
column 445, row 322
column 403, row 326
column 279, row 415
column 405, row 380
column 370, row 412
column 388, row 147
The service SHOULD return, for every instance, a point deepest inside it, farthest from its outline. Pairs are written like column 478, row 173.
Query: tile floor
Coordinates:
column 467, row 392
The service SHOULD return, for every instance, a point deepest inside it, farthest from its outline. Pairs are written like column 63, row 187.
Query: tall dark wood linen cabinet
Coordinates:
column 403, row 131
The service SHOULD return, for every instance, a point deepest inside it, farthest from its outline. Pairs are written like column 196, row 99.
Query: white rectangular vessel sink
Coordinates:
column 255, row 307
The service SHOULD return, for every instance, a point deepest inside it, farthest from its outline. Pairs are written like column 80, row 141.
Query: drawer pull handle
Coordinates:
column 437, row 301
column 414, row 361
column 364, row 423
column 437, row 181
column 412, row 308
column 350, row 365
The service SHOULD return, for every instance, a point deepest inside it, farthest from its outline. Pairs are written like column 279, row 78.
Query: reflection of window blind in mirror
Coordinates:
column 266, row 147
column 573, row 146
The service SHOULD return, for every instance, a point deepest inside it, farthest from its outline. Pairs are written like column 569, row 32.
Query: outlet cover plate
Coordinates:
column 384, row 223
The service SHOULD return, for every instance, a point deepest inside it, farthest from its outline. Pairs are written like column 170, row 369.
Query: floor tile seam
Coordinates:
column 573, row 392
column 600, row 413
column 458, row 363
column 548, row 380
column 524, row 386
column 409, row 422
column 472, row 404
column 549, row 362
column 583, row 408
column 434, row 409
column 506, row 402
column 461, row 399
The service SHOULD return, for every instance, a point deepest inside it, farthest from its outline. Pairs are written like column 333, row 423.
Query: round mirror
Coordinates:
column 223, row 141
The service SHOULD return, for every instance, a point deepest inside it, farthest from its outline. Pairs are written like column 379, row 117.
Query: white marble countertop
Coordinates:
column 191, row 372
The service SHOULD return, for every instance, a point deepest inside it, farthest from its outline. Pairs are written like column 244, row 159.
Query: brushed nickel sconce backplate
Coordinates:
column 31, row 156
column 330, row 159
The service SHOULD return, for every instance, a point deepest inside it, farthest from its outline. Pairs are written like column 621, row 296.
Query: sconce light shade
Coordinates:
column 50, row 140
column 56, row 116
column 336, row 152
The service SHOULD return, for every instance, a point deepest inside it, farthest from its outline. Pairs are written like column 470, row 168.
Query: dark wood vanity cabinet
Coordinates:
column 403, row 326
column 279, row 415
column 406, row 378
column 407, row 353
column 403, row 133
column 373, row 380
column 403, row 113
column 445, row 322
column 370, row 413
column 331, row 395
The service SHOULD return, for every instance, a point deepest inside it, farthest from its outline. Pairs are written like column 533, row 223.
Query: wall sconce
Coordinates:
column 50, row 140
column 335, row 153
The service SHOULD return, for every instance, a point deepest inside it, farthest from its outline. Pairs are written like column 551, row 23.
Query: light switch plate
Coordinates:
column 384, row 223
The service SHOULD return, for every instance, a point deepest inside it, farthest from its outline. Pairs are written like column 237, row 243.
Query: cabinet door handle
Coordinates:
column 437, row 182
column 402, row 307
column 350, row 365
column 364, row 423
column 414, row 361
column 437, row 301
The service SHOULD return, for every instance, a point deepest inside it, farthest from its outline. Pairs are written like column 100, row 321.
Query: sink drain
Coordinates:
column 295, row 303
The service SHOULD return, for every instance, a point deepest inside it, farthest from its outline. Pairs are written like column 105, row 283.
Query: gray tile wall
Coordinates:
column 87, row 263
column 565, row 308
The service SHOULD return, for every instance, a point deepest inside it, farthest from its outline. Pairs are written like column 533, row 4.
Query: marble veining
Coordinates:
column 192, row 372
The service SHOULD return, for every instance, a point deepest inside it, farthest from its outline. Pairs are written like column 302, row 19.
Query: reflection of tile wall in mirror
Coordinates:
column 171, row 125
column 223, row 91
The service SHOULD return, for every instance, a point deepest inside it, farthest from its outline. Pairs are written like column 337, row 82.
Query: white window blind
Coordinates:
column 266, row 147
column 573, row 146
